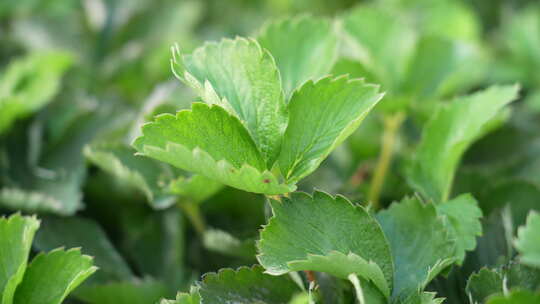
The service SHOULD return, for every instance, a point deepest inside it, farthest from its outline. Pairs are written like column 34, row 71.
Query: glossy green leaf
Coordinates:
column 16, row 235
column 29, row 83
column 246, row 286
column 449, row 133
column 337, row 237
column 243, row 78
column 483, row 284
column 463, row 220
column 322, row 115
column 528, row 240
column 209, row 141
column 304, row 48
column 420, row 243
column 52, row 276
column 137, row 292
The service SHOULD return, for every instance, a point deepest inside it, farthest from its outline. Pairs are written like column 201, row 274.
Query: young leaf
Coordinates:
column 81, row 232
column 136, row 292
column 449, row 133
column 516, row 297
column 29, row 83
column 52, row 276
column 225, row 243
column 209, row 141
column 144, row 174
column 196, row 188
column 16, row 235
column 483, row 284
column 463, row 222
column 322, row 115
column 245, row 286
column 420, row 244
column 528, row 240
column 304, row 48
column 337, row 237
column 184, row 298
column 243, row 78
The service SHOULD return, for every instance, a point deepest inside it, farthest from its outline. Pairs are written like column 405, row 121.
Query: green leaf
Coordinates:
column 29, row 83
column 382, row 40
column 528, row 240
column 516, row 297
column 243, row 78
column 246, row 286
column 322, row 115
column 483, row 284
column 144, row 174
column 304, row 48
column 449, row 133
column 52, row 276
column 81, row 232
column 463, row 217
column 209, row 141
column 420, row 242
column 136, row 292
column 337, row 237
column 16, row 235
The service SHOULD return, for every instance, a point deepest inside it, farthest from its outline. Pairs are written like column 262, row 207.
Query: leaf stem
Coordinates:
column 193, row 213
column 392, row 123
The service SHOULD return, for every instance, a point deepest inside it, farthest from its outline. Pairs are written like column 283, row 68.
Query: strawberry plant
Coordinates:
column 384, row 154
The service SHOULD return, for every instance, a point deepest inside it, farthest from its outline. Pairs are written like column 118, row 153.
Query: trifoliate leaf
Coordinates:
column 81, row 232
column 145, row 174
column 337, row 237
column 516, row 297
column 246, row 286
column 528, row 240
column 483, row 284
column 16, row 235
column 304, row 48
column 463, row 219
column 449, row 133
column 322, row 115
column 243, row 78
column 52, row 276
column 137, row 292
column 420, row 243
column 209, row 141
column 383, row 40
column 29, row 83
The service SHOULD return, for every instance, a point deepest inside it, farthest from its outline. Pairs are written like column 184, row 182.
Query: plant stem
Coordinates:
column 193, row 212
column 392, row 123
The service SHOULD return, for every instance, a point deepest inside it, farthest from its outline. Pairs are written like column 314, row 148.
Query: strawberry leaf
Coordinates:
column 52, row 276
column 242, row 78
column 136, row 292
column 528, row 240
column 16, row 235
column 420, row 242
column 449, row 133
column 304, row 48
column 209, row 141
column 322, row 115
column 337, row 237
column 245, row 286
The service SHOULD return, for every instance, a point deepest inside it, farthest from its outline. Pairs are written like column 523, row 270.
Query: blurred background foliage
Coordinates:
column 78, row 78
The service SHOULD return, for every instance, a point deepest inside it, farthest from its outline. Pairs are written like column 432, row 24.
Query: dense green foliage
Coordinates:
column 300, row 152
